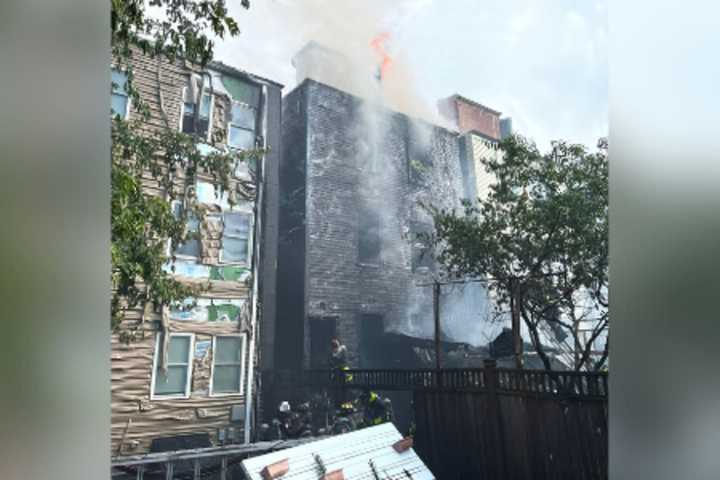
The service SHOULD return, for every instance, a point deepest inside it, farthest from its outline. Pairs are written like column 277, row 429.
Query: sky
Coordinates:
column 543, row 63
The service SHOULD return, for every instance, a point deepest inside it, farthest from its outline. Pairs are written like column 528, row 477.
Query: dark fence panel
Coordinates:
column 522, row 425
column 489, row 423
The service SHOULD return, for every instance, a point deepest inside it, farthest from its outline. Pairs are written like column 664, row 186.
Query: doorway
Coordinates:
column 322, row 331
column 371, row 335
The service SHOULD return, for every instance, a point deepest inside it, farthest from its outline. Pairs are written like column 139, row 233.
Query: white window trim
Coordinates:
column 243, row 348
column 168, row 250
column 127, row 95
column 251, row 231
column 182, row 109
column 197, row 106
column 188, row 380
column 210, row 116
column 230, row 123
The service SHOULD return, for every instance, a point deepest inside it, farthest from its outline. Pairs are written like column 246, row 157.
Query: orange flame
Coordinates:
column 378, row 44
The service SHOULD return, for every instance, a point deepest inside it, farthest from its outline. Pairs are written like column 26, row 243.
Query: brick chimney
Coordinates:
column 469, row 116
column 322, row 64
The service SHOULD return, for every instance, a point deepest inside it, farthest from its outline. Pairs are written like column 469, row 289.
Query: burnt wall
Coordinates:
column 270, row 225
column 290, row 312
column 361, row 160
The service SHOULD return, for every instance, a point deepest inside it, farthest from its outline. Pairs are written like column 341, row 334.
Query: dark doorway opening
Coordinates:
column 371, row 335
column 322, row 331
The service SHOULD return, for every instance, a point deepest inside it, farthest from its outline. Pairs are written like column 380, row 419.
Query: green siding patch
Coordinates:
column 229, row 273
column 242, row 91
column 218, row 311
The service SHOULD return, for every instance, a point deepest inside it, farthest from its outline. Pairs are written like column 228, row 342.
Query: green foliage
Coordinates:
column 418, row 167
column 141, row 224
column 176, row 28
column 541, row 235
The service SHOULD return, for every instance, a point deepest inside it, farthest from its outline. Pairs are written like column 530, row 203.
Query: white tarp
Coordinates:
column 351, row 452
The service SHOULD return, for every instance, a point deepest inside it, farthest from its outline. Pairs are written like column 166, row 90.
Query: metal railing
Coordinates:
column 221, row 463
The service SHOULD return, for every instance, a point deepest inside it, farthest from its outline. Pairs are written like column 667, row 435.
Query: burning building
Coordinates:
column 352, row 178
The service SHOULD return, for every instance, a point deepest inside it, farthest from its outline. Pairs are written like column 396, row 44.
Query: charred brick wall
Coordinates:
column 290, row 310
column 345, row 160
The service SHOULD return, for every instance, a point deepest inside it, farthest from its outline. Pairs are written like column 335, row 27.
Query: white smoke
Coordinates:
column 346, row 30
column 345, row 26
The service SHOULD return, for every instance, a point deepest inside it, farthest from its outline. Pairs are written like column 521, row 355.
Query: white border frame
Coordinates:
column 251, row 237
column 127, row 95
column 208, row 137
column 188, row 380
column 243, row 337
column 230, row 124
column 168, row 249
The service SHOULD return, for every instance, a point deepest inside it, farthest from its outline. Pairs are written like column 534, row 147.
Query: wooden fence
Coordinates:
column 506, row 381
column 489, row 423
column 517, row 425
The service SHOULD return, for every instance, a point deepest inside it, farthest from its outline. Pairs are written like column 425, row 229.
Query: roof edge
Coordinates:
column 457, row 96
column 230, row 70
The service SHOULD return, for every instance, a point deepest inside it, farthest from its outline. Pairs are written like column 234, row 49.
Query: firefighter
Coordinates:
column 338, row 355
column 338, row 358
column 375, row 409
column 338, row 363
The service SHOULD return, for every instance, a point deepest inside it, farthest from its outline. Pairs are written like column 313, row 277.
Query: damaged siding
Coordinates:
column 224, row 309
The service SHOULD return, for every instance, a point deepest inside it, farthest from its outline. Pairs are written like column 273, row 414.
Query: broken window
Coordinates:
column 242, row 91
column 119, row 99
column 236, row 238
column 227, row 371
column 241, row 130
column 204, row 114
column 369, row 238
column 175, row 382
column 421, row 253
column 191, row 246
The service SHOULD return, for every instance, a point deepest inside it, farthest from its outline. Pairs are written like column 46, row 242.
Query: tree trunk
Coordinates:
column 535, row 337
column 516, row 331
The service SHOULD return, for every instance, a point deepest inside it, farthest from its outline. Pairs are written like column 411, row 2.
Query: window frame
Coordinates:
column 188, row 379
column 169, row 250
column 123, row 92
column 243, row 354
column 197, row 106
column 250, row 237
column 230, row 124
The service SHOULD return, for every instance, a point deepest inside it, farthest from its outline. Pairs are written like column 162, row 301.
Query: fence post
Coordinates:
column 497, row 454
column 491, row 376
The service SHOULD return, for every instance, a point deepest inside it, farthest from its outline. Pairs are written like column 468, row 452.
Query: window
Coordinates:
column 175, row 382
column 236, row 238
column 241, row 130
column 191, row 246
column 228, row 365
column 369, row 238
column 119, row 100
column 204, row 115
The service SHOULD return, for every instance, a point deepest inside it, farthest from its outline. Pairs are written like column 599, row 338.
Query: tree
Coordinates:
column 540, row 239
column 142, row 224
